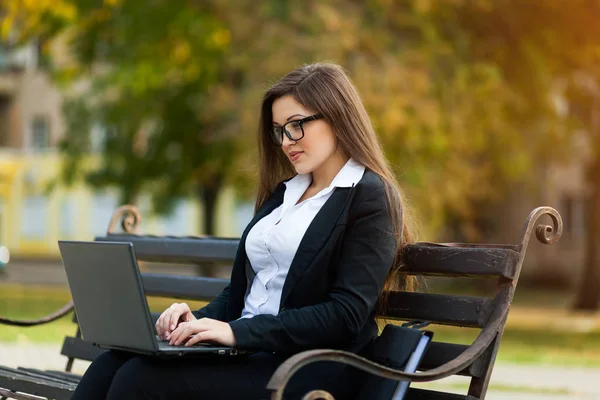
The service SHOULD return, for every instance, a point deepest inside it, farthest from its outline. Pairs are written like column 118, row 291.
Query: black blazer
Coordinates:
column 335, row 278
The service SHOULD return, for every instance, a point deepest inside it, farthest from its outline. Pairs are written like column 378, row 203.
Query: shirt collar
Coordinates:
column 348, row 176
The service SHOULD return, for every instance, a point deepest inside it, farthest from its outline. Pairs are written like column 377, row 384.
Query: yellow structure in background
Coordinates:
column 33, row 219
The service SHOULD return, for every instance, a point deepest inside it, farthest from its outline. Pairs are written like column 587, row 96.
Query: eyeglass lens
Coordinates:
column 294, row 132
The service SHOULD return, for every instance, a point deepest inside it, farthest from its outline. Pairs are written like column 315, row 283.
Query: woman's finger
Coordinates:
column 158, row 326
column 164, row 323
column 174, row 318
column 201, row 337
column 180, row 334
column 173, row 336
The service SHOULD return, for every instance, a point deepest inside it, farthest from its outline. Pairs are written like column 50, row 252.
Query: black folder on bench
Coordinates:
column 400, row 348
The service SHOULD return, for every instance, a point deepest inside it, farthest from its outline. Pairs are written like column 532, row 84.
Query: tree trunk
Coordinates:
column 588, row 297
column 208, row 193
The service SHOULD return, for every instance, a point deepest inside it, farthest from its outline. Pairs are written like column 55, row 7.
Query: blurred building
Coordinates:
column 562, row 186
column 32, row 218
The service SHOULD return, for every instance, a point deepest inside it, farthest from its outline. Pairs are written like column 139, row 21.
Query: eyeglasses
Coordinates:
column 294, row 130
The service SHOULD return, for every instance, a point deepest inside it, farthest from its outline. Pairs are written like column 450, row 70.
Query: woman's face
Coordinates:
column 318, row 143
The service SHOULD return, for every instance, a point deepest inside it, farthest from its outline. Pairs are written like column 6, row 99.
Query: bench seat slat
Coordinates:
column 467, row 311
column 80, row 349
column 21, row 381
column 61, row 375
column 425, row 259
column 423, row 394
column 183, row 287
column 439, row 353
column 178, row 249
column 31, row 374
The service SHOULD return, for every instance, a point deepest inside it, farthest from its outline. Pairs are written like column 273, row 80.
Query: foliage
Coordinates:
column 462, row 93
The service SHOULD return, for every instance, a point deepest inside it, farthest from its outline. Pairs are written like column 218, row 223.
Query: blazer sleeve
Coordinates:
column 367, row 253
column 216, row 309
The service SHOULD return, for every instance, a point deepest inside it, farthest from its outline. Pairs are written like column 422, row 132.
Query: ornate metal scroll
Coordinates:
column 130, row 219
column 318, row 395
column 545, row 233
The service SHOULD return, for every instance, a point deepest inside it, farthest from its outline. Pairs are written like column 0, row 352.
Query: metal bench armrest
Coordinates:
column 64, row 310
column 284, row 373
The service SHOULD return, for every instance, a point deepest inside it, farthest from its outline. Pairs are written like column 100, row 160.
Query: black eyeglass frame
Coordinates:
column 300, row 122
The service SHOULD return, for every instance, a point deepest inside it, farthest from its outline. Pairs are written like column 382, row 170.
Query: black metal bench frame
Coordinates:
column 502, row 262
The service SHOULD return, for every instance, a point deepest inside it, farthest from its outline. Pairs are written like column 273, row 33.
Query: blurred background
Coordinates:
column 486, row 109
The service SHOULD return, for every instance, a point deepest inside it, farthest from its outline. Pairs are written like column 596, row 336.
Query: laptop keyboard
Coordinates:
column 162, row 343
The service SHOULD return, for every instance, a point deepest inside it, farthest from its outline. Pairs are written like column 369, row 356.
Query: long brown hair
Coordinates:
column 325, row 88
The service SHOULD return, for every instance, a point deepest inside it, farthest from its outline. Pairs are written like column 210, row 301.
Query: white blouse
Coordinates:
column 272, row 242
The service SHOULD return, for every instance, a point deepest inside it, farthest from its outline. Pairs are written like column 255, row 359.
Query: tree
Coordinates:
column 178, row 89
column 547, row 50
column 148, row 70
column 462, row 93
column 583, row 92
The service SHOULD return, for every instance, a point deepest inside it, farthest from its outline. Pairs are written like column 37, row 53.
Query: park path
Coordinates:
column 512, row 381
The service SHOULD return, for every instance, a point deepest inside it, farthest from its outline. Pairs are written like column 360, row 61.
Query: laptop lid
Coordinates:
column 108, row 294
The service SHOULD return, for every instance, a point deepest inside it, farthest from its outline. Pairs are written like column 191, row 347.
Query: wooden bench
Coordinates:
column 500, row 262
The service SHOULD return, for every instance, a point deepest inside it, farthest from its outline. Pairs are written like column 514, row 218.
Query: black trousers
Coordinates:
column 119, row 375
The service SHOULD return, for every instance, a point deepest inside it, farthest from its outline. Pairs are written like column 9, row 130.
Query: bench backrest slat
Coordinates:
column 467, row 311
column 426, row 259
column 178, row 250
column 420, row 258
column 445, row 309
column 183, row 287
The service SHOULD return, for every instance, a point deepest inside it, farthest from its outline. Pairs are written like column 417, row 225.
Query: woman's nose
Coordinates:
column 286, row 142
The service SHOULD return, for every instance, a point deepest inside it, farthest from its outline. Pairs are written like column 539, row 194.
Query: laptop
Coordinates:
column 110, row 304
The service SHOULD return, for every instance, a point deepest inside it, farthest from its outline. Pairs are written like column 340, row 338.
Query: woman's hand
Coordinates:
column 171, row 317
column 203, row 330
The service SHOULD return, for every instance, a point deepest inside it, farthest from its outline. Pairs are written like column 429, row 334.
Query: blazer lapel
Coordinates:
column 315, row 237
column 272, row 203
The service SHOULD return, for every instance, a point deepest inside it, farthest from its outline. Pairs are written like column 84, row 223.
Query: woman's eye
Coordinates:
column 294, row 126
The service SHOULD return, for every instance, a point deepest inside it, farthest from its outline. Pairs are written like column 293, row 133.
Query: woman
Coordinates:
column 311, row 265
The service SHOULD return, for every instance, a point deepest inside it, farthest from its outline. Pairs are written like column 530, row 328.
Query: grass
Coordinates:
column 31, row 302
column 536, row 345
column 494, row 387
column 533, row 335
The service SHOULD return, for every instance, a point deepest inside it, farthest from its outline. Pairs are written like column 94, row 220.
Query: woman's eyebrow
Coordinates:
column 295, row 115
column 290, row 117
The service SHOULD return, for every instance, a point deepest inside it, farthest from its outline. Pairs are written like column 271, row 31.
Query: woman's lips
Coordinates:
column 295, row 155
